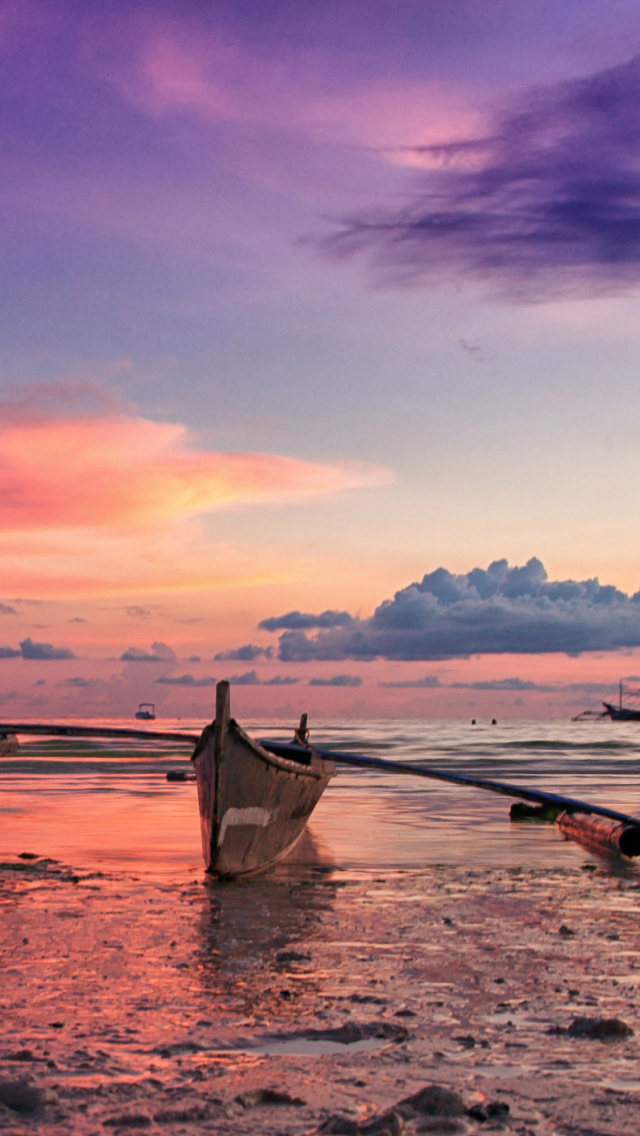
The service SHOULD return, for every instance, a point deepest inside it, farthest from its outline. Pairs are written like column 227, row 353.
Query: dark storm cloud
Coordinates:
column 282, row 680
column 337, row 680
column 9, row 653
column 548, row 203
column 44, row 652
column 185, row 680
column 244, row 654
column 5, row 609
column 500, row 610
column 304, row 621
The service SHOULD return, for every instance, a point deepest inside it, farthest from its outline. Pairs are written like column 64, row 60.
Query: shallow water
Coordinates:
column 109, row 804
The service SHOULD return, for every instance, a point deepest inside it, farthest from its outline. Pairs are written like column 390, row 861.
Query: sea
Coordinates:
column 108, row 804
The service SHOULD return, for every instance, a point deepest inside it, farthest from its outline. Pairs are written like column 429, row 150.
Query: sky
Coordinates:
column 319, row 356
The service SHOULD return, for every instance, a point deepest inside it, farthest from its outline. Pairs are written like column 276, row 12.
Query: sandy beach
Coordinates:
column 320, row 1000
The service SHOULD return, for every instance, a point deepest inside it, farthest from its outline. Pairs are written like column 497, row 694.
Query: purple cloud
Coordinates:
column 44, row 652
column 186, row 680
column 547, row 203
column 337, row 680
column 249, row 678
column 159, row 653
column 244, row 654
column 304, row 621
column 500, row 610
column 429, row 682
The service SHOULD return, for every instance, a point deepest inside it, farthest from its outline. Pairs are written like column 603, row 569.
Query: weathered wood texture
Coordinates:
column 600, row 833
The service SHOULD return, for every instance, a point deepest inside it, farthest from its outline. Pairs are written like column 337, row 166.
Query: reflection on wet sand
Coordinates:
column 139, row 993
column 251, row 930
column 134, row 1002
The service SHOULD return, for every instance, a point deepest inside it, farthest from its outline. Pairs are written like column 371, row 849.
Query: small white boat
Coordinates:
column 146, row 712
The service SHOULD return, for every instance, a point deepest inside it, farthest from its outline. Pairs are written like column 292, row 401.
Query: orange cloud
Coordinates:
column 119, row 471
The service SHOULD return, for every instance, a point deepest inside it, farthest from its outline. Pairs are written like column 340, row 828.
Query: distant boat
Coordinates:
column 8, row 744
column 622, row 713
column 254, row 803
column 146, row 711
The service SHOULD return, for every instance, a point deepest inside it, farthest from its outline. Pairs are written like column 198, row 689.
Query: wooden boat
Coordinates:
column 254, row 803
column 8, row 744
column 622, row 713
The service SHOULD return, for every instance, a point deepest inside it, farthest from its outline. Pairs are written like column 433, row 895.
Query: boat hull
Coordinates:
column 254, row 805
column 621, row 713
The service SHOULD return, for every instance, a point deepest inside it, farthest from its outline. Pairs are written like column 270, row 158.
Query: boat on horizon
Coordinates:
column 146, row 712
column 622, row 713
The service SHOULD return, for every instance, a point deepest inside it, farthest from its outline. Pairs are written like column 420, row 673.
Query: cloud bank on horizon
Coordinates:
column 41, row 652
column 500, row 610
column 546, row 204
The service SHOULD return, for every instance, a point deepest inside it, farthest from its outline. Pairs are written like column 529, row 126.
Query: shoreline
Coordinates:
column 135, row 1003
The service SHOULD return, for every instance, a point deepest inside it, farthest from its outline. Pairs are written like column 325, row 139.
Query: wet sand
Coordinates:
column 183, row 1007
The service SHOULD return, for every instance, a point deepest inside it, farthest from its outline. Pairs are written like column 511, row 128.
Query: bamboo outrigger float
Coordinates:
column 255, row 797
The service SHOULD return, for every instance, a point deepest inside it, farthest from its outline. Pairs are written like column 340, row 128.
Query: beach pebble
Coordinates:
column 388, row 1124
column 128, row 1120
column 339, row 1126
column 603, row 1029
column 466, row 1041
column 292, row 956
column 434, row 1101
column 182, row 1116
column 22, row 1096
column 266, row 1096
column 494, row 1110
column 566, row 932
column 443, row 1125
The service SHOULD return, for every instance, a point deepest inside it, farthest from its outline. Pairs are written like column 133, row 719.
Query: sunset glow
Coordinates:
column 311, row 317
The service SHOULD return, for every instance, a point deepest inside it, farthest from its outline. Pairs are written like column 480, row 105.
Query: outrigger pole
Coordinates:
column 577, row 819
column 95, row 732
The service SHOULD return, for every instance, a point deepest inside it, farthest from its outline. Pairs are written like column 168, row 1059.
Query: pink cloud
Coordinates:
column 116, row 470
column 219, row 79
